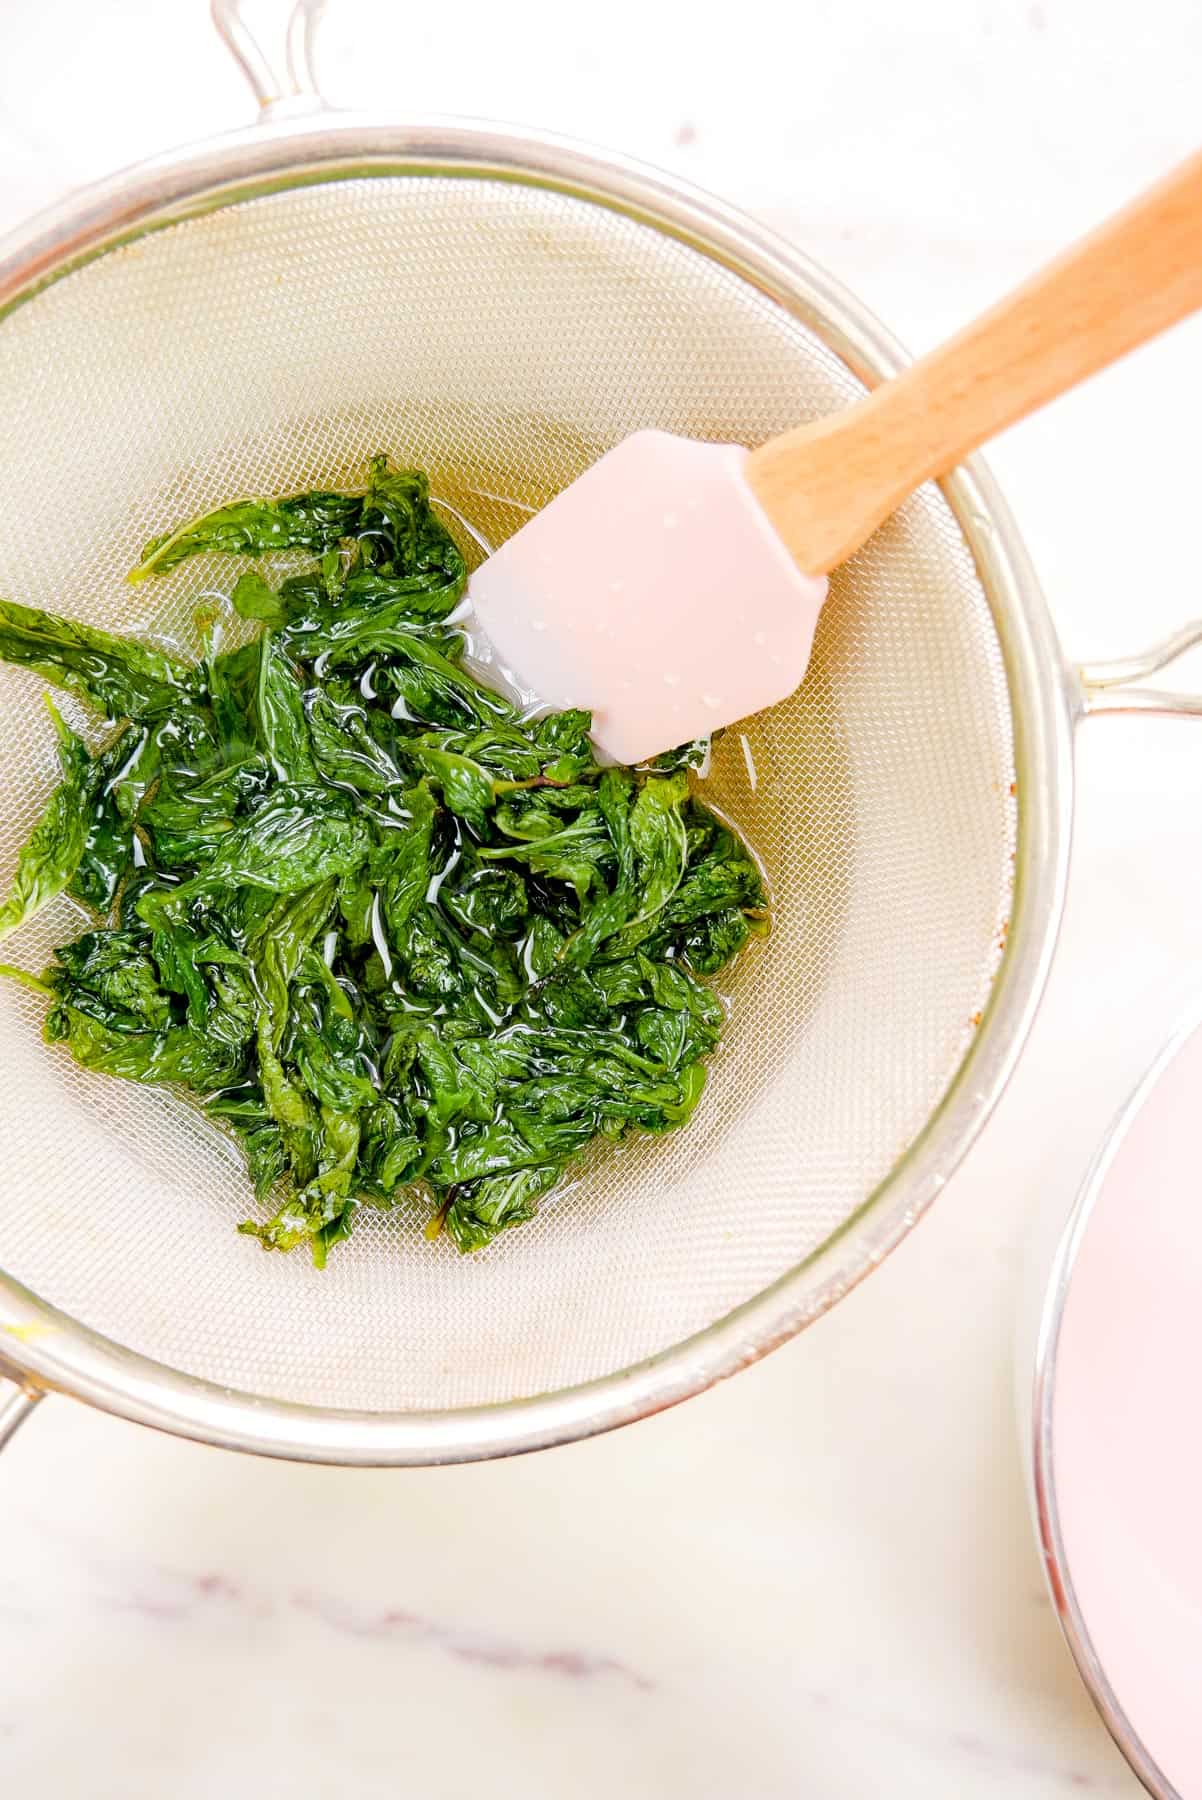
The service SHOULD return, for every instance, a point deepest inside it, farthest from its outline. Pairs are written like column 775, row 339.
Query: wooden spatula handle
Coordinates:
column 827, row 486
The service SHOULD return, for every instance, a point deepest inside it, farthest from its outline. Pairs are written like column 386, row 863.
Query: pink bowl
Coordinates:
column 1118, row 1441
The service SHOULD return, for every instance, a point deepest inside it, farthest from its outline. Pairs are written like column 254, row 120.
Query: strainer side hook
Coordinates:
column 283, row 83
column 1114, row 687
column 17, row 1401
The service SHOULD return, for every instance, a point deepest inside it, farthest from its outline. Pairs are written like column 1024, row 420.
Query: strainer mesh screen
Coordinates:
column 501, row 336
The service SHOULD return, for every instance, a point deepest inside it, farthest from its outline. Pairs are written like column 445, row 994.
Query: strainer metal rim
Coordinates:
column 49, row 1350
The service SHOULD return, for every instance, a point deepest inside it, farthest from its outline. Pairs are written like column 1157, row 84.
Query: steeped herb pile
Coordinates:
column 389, row 933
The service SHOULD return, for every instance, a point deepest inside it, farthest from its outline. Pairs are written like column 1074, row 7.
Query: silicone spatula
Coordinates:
column 675, row 586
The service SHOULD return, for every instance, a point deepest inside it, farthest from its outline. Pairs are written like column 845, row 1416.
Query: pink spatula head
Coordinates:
column 655, row 592
column 664, row 591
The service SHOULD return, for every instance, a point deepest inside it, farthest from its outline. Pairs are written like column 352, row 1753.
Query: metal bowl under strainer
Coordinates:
column 263, row 315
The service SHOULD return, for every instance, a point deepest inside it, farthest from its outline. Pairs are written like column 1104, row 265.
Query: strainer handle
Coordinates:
column 1116, row 687
column 282, row 81
column 17, row 1401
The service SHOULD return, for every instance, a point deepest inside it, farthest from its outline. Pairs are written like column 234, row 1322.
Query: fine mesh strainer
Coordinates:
column 263, row 315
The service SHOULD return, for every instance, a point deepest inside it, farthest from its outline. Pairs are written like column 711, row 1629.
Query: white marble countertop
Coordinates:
column 818, row 1580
